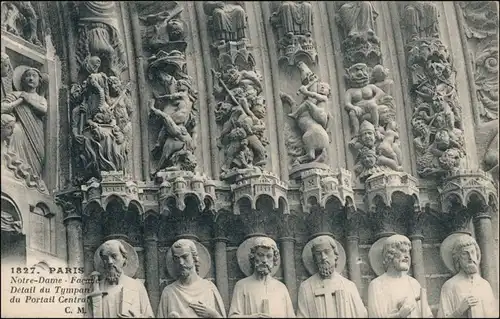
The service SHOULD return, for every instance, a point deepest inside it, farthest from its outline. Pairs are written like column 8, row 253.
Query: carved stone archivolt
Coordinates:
column 101, row 126
column 100, row 36
column 21, row 19
column 294, row 23
column 437, row 119
column 480, row 22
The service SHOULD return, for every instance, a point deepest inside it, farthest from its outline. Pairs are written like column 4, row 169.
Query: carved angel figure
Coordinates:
column 27, row 106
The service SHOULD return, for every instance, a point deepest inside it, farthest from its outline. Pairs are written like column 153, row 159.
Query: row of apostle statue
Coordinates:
column 326, row 294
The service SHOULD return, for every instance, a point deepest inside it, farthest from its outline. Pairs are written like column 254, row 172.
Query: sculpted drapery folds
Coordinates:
column 421, row 20
column 228, row 20
column 465, row 294
column 101, row 121
column 240, row 113
column 176, row 108
column 98, row 35
column 311, row 116
column 23, row 112
column 372, row 116
column 21, row 19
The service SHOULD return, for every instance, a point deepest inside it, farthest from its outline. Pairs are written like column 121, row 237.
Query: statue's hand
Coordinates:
column 358, row 110
column 466, row 303
column 406, row 309
column 203, row 311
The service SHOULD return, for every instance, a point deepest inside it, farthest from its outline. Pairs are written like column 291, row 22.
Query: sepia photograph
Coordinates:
column 249, row 159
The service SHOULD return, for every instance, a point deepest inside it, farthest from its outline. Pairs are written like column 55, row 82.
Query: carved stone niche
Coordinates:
column 293, row 21
column 227, row 22
column 22, row 19
column 175, row 106
column 308, row 139
column 163, row 28
column 356, row 19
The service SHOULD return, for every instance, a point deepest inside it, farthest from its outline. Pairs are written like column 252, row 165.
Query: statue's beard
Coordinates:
column 325, row 269
column 113, row 273
column 402, row 265
column 185, row 271
column 470, row 268
column 263, row 269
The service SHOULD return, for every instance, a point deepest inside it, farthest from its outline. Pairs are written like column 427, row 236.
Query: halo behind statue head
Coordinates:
column 131, row 265
column 308, row 260
column 203, row 255
column 18, row 74
column 446, row 249
column 375, row 254
column 243, row 253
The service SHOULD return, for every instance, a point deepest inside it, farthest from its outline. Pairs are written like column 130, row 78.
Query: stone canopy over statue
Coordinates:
column 466, row 294
column 327, row 294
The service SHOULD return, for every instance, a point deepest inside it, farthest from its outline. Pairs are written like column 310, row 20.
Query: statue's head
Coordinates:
column 93, row 64
column 325, row 255
column 175, row 29
column 8, row 122
column 185, row 257
column 396, row 253
column 368, row 157
column 367, row 133
column 264, row 255
column 31, row 79
column 442, row 139
column 324, row 89
column 358, row 74
column 6, row 66
column 466, row 255
column 114, row 257
column 450, row 159
column 379, row 73
column 115, row 84
column 232, row 74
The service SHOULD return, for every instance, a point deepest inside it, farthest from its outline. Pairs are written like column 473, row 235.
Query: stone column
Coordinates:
column 485, row 240
column 89, row 259
column 152, row 275
column 288, row 262
column 417, row 249
column 74, row 237
column 221, row 275
column 353, row 222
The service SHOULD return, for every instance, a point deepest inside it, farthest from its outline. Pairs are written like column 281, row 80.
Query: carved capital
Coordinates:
column 70, row 202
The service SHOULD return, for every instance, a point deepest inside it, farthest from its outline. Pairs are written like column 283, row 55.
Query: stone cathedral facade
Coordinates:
column 150, row 121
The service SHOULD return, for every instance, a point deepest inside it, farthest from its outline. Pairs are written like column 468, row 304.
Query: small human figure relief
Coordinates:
column 260, row 295
column 360, row 44
column 99, row 35
column 466, row 294
column 176, row 108
column 394, row 294
column 101, row 121
column 21, row 19
column 117, row 294
column 311, row 116
column 294, row 20
column 420, row 19
column 190, row 296
column 240, row 112
column 23, row 111
column 327, row 294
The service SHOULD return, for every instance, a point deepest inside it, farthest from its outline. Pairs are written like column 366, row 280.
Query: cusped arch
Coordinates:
column 245, row 201
column 193, row 200
column 283, row 205
column 265, row 200
column 475, row 197
column 92, row 207
column 134, row 204
column 114, row 199
column 332, row 200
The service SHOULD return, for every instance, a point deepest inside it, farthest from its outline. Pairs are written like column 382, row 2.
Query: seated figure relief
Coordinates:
column 21, row 19
column 228, row 20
